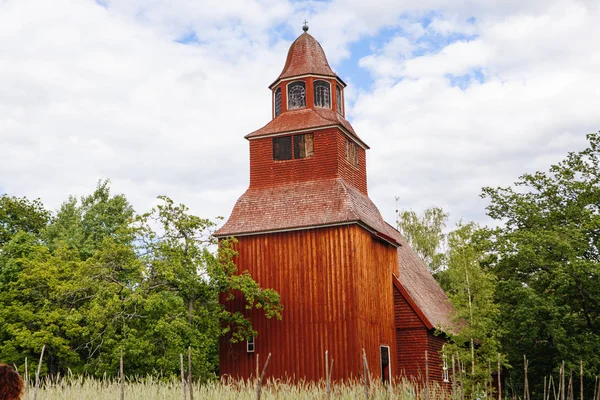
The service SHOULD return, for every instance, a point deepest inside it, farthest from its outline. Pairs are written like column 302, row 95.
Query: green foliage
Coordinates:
column 20, row 214
column 456, row 260
column 425, row 234
column 471, row 290
column 547, row 260
column 99, row 279
column 84, row 225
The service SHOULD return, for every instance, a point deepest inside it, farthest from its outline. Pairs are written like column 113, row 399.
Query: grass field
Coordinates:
column 149, row 389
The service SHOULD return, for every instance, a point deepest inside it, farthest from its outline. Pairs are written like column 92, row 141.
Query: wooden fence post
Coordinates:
column 366, row 373
column 453, row 378
column 190, row 385
column 122, row 376
column 37, row 375
column 260, row 379
column 27, row 380
column 581, row 379
column 327, row 376
column 526, row 382
column 426, row 376
column 499, row 380
column 182, row 376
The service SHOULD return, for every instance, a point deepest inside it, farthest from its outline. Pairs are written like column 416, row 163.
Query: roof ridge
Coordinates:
column 349, row 198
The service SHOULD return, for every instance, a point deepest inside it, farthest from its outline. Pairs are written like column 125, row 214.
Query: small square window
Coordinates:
column 352, row 152
column 282, row 148
column 303, row 145
column 250, row 345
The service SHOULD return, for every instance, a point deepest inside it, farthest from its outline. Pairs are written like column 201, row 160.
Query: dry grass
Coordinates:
column 150, row 389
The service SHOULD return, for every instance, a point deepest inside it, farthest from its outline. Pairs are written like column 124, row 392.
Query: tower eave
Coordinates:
column 291, row 78
column 306, row 120
column 302, row 205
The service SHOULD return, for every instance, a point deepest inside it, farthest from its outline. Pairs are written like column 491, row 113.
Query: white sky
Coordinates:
column 451, row 96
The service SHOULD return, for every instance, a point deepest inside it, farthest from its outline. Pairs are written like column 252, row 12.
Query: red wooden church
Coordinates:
column 307, row 228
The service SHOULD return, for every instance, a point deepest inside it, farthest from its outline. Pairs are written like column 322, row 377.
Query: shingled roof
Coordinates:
column 422, row 289
column 306, row 56
column 306, row 118
column 301, row 205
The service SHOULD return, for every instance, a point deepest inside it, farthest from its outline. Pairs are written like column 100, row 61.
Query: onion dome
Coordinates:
column 306, row 56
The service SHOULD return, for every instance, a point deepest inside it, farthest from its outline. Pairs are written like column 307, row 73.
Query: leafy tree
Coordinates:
column 85, row 224
column 20, row 214
column 103, row 280
column 425, row 234
column 471, row 290
column 547, row 260
column 176, row 248
column 456, row 258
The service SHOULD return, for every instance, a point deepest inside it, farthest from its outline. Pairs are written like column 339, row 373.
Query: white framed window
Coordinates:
column 445, row 372
column 296, row 95
column 322, row 94
column 250, row 345
column 386, row 364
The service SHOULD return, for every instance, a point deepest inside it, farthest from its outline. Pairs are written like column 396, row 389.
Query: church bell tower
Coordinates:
column 307, row 228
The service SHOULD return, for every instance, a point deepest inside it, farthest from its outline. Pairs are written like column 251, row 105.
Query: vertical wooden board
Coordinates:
column 332, row 299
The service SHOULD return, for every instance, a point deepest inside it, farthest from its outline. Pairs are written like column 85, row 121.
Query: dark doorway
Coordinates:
column 385, row 363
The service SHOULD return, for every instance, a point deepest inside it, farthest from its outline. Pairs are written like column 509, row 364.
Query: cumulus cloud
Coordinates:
column 481, row 112
column 157, row 95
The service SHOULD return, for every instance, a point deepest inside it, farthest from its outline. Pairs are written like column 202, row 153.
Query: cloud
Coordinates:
column 158, row 95
column 89, row 93
column 528, row 98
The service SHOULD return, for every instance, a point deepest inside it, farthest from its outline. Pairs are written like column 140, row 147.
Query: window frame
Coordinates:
column 322, row 83
column 389, row 365
column 291, row 147
column 445, row 370
column 339, row 102
column 352, row 153
column 280, row 92
column 287, row 90
column 251, row 345
column 294, row 147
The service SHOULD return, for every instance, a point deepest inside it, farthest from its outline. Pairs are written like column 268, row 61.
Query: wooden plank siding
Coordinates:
column 412, row 339
column 335, row 284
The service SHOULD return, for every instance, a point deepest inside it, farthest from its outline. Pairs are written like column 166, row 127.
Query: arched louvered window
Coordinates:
column 322, row 94
column 338, row 99
column 277, row 101
column 296, row 95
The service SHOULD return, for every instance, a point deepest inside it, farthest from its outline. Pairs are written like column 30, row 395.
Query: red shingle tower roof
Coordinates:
column 321, row 180
column 306, row 56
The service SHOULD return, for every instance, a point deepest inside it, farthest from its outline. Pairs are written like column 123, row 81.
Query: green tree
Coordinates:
column 84, row 224
column 546, row 256
column 455, row 259
column 425, row 234
column 182, row 265
column 471, row 290
column 102, row 280
column 20, row 214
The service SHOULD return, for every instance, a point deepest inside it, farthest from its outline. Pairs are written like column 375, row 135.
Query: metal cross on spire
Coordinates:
column 305, row 26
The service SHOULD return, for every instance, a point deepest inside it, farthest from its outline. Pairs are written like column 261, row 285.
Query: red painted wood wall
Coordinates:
column 329, row 161
column 336, row 286
column 412, row 339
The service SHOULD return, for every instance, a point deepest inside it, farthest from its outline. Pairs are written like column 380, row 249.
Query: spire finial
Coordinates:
column 305, row 26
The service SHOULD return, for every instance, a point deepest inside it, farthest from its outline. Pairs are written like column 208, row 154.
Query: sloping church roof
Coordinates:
column 306, row 56
column 422, row 290
column 303, row 205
